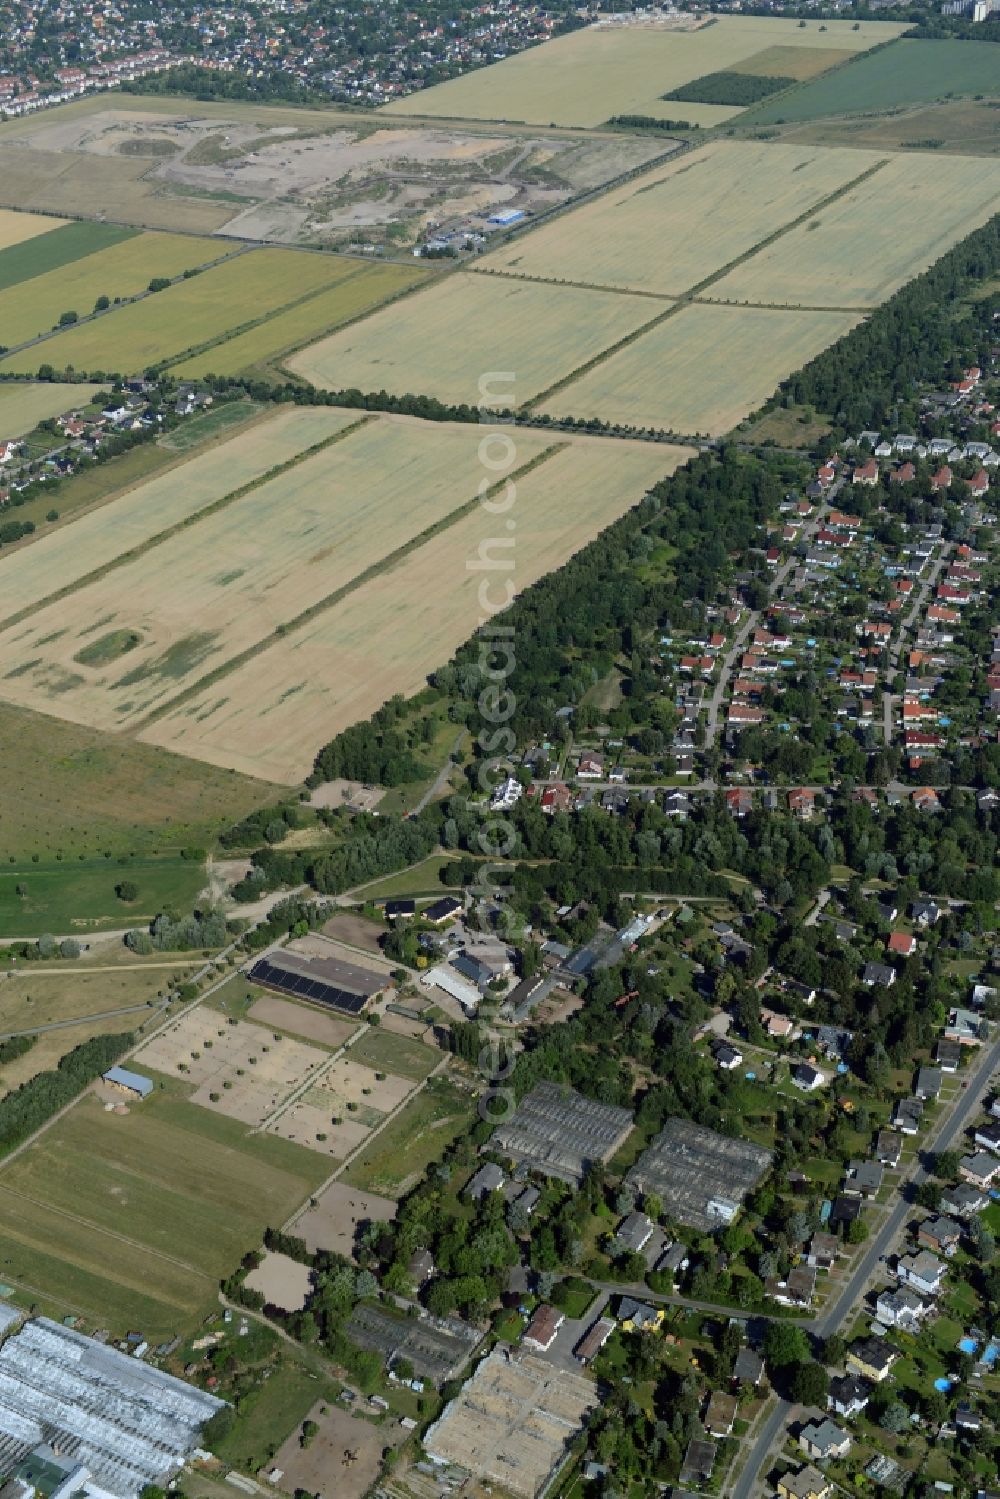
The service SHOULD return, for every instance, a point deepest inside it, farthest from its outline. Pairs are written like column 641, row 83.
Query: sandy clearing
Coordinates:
column 300, row 1020
column 271, row 715
column 281, row 1281
column 338, row 1213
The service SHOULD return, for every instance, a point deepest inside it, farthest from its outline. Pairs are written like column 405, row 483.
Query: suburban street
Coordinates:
column 834, row 1317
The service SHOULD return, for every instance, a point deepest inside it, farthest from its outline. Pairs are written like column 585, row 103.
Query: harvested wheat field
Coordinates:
column 670, row 228
column 163, row 327
column 587, row 76
column 23, row 406
column 16, row 227
column 121, row 270
column 114, row 650
column 447, row 339
column 701, row 371
column 64, row 556
column 860, row 249
column 272, row 714
column 357, row 293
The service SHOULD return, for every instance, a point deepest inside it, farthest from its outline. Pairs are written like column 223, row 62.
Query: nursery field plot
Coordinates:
column 271, row 714
column 63, row 556
column 340, row 1112
column 364, row 288
column 667, row 230
column 241, row 1070
column 159, row 328
column 863, row 247
column 587, row 76
column 122, row 270
column 222, row 585
column 23, row 406
column 443, row 341
column 15, row 227
column 701, row 371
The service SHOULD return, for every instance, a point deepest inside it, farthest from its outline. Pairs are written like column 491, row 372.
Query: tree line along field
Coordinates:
column 269, row 715
column 132, row 1220
column 23, row 406
column 587, row 76
column 909, row 72
column 365, row 288
column 653, row 233
column 245, row 288
column 110, row 652
column 35, row 305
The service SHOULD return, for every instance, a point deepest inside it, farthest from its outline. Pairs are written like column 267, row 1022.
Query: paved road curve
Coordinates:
column 835, row 1315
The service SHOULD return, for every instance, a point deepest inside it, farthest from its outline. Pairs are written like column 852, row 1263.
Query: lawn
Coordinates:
column 266, row 1418
column 169, row 1195
column 209, row 424
column 70, row 790
column 45, row 994
column 909, row 72
column 419, row 879
column 78, row 896
column 400, row 1154
column 387, row 1052
column 52, row 244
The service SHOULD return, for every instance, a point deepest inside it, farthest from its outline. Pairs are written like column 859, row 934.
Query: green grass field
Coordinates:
column 59, row 247
column 79, row 896
column 68, row 789
column 157, row 1205
column 908, row 72
column 213, row 423
column 266, row 1418
column 24, row 404
column 400, row 1154
column 387, row 1052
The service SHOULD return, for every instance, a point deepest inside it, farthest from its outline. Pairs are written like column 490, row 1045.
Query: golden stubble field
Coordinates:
column 16, row 227
column 244, row 288
column 861, row 248
column 701, row 371
column 587, row 76
column 68, row 553
column 667, row 230
column 111, row 652
column 446, row 339
column 122, row 270
column 272, row 714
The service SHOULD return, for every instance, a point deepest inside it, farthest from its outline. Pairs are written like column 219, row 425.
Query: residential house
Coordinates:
column 979, row 1170
column 902, row 1308
column 489, row 1178
column 541, row 1331
column 748, row 1368
column 727, row 1056
column 848, row 1395
column 590, row 767
column 889, row 1148
column 639, row 1316
column 594, row 1340
column 901, row 944
column 797, row 1289
column 929, row 1082
column 923, row 1271
column 940, row 1234
column 964, row 1200
column 948, row 1055
column 807, row 1483
column 988, row 1135
column 802, row 802
column 807, row 1077
column 863, row 1178
column 908, row 1115
column 878, row 974
column 634, row 1232
column 964, row 1026
column 824, row 1250
column 872, row 1358
column 720, row 1414
column 824, row 1439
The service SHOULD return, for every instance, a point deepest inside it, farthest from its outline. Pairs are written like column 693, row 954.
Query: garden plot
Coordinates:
column 270, row 715
column 240, row 1070
column 701, row 371
column 63, row 556
column 857, row 251
column 446, row 339
column 650, row 234
column 219, row 587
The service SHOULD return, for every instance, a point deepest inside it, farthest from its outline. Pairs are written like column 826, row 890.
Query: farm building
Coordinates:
column 700, row 1177
column 122, row 1424
column 512, row 1422
column 131, row 1083
column 560, row 1133
column 437, row 1347
column 322, row 981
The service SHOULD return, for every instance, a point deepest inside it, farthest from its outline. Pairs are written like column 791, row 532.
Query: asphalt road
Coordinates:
column 834, row 1317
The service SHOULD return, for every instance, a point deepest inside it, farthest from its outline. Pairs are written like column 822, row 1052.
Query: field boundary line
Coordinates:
column 780, row 306
column 62, row 1025
column 212, row 508
column 111, row 1233
column 693, row 294
column 377, row 569
column 615, row 291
